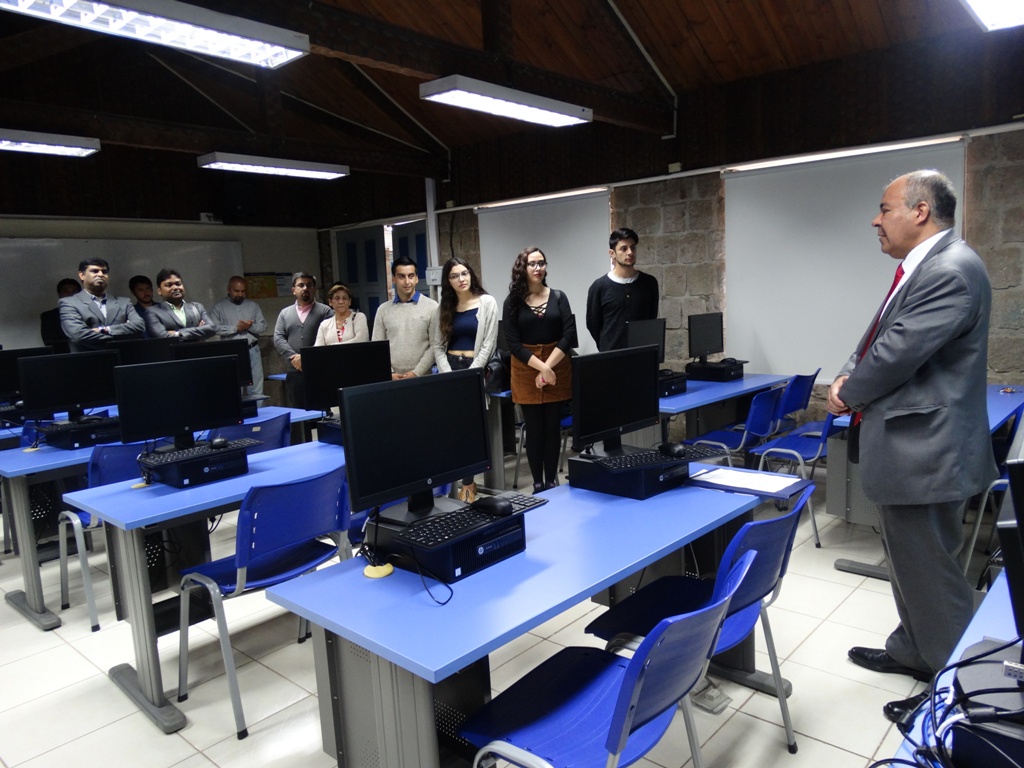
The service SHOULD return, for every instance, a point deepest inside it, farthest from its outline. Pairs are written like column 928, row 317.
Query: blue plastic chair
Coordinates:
column 799, row 453
column 622, row 625
column 795, row 398
column 759, row 425
column 587, row 707
column 275, row 432
column 280, row 532
column 111, row 463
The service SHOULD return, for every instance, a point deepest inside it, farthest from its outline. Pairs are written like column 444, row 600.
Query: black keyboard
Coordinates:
column 9, row 408
column 639, row 460
column 440, row 529
column 91, row 424
column 521, row 502
column 172, row 457
column 702, row 453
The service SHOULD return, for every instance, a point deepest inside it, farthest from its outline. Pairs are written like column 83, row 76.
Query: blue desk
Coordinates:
column 17, row 467
column 133, row 510
column 386, row 649
column 701, row 393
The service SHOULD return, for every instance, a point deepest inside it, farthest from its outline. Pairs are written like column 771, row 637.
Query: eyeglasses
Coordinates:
column 458, row 275
column 536, row 264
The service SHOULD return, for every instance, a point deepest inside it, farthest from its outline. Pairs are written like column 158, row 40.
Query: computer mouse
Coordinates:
column 219, row 443
column 673, row 450
column 499, row 506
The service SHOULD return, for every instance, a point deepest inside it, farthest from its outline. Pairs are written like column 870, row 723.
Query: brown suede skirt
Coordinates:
column 524, row 379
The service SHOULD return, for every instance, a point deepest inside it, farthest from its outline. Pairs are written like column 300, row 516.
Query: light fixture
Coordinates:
column 47, row 143
column 995, row 14
column 166, row 22
column 272, row 166
column 460, row 91
column 838, row 154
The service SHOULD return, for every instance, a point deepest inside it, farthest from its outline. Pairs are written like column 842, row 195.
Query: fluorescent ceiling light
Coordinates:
column 166, row 22
column 459, row 91
column 225, row 161
column 818, row 156
column 995, row 14
column 47, row 143
column 542, row 198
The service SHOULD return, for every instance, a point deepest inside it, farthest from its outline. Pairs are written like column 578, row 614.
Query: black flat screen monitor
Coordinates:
column 237, row 348
column 176, row 399
column 389, row 457
column 327, row 369
column 705, row 336
column 643, row 333
column 52, row 384
column 10, row 384
column 613, row 393
column 1011, row 529
column 138, row 351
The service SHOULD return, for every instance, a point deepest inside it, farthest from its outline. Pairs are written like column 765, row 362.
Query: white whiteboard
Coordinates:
column 35, row 265
column 572, row 233
column 804, row 273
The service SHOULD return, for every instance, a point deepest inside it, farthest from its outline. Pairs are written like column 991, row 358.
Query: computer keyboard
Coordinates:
column 89, row 423
column 701, row 453
column 440, row 529
column 171, row 457
column 522, row 502
column 638, row 460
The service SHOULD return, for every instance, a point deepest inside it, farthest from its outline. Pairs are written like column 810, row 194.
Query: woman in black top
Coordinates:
column 541, row 331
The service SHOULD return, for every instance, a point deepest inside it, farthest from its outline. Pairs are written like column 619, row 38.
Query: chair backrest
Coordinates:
column 274, row 432
column 276, row 517
column 773, row 542
column 761, row 417
column 670, row 661
column 114, row 463
column 797, row 395
column 30, row 431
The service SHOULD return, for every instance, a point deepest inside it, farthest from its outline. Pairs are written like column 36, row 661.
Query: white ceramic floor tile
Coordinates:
column 866, row 609
column 789, row 630
column 819, row 563
column 811, row 596
column 513, row 648
column 287, row 739
column 294, row 662
column 22, row 638
column 41, row 673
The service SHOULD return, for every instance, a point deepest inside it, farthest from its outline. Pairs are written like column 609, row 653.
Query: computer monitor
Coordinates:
column 138, row 351
column 327, row 369
column 237, row 348
column 643, row 333
column 613, row 393
column 390, row 457
column 53, row 384
column 10, row 385
column 1010, row 529
column 177, row 398
column 705, row 336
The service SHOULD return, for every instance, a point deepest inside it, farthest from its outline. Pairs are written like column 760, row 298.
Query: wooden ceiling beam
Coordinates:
column 46, row 40
column 171, row 137
column 376, row 45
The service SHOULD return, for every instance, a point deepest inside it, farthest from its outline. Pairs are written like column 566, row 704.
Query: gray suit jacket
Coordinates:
column 922, row 385
column 79, row 315
column 160, row 319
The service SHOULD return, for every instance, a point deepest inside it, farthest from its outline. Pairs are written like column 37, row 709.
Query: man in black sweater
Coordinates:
column 624, row 294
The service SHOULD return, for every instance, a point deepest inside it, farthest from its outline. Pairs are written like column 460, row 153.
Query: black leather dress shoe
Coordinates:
column 895, row 711
column 877, row 660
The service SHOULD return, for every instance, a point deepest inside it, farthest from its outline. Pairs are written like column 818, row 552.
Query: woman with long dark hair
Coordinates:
column 541, row 332
column 466, row 331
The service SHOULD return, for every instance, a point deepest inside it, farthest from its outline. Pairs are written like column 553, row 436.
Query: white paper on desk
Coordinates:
column 760, row 482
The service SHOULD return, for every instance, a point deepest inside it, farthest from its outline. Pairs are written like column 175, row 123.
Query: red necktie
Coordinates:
column 874, row 327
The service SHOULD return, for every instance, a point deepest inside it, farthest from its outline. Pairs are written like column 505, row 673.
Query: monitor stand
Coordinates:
column 417, row 507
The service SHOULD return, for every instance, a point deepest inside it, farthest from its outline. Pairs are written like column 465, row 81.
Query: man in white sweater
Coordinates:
column 406, row 323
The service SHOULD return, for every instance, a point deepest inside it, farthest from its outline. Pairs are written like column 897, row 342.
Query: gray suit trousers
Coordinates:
column 934, row 601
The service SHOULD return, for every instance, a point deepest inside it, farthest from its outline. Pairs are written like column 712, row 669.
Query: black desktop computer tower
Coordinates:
column 715, row 371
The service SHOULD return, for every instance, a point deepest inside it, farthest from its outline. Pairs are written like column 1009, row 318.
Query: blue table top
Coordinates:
column 1001, row 405
column 17, row 462
column 700, row 393
column 576, row 545
column 130, row 505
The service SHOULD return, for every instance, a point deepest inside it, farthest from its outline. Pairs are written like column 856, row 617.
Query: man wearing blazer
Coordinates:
column 91, row 318
column 918, row 382
column 184, row 320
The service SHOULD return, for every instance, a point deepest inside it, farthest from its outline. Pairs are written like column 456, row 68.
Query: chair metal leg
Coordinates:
column 779, row 683
column 519, row 455
column 183, row 624
column 65, row 519
column 986, row 497
column 691, row 731
column 561, row 456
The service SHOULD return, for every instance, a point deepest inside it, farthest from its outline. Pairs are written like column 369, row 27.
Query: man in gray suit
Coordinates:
column 91, row 318
column 185, row 320
column 296, row 328
column 917, row 387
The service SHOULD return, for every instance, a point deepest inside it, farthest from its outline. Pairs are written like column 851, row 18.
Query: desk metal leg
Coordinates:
column 143, row 683
column 494, row 478
column 28, row 602
column 879, row 571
